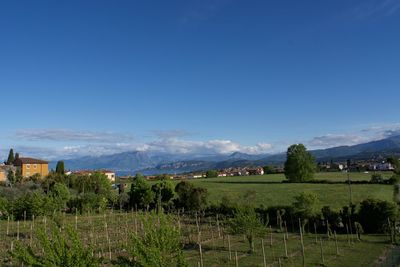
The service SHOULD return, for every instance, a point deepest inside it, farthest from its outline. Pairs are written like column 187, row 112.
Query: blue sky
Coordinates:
column 196, row 76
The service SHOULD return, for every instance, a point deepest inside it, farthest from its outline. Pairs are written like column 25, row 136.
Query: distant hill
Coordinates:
column 154, row 163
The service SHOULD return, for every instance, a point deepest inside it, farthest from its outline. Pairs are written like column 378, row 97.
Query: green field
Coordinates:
column 269, row 189
column 108, row 235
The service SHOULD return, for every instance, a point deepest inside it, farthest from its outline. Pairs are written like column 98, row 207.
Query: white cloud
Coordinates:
column 371, row 8
column 70, row 135
column 368, row 134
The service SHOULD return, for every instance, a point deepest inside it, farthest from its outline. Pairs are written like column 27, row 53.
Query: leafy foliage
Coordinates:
column 299, row 165
column 306, row 206
column 247, row 223
column 190, row 197
column 60, row 249
column 60, row 169
column 160, row 244
column 140, row 195
column 211, row 174
column 374, row 214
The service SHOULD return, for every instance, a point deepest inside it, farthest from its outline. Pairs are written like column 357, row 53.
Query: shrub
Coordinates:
column 374, row 215
column 160, row 245
column 60, row 249
column 190, row 197
column 247, row 223
column 306, row 206
column 377, row 178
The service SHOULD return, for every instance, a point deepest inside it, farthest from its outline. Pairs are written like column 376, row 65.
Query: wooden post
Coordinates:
column 280, row 262
column 322, row 253
column 219, row 230
column 236, row 259
column 200, row 250
column 270, row 230
column 315, row 232
column 285, row 244
column 302, row 244
column 263, row 252
column 327, row 229
column 286, row 230
column 8, row 225
column 347, row 234
column 76, row 219
column 17, row 230
column 229, row 247
column 336, row 244
column 31, row 235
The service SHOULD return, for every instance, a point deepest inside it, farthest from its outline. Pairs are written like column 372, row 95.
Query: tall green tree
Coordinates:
column 60, row 168
column 140, row 195
column 300, row 164
column 11, row 158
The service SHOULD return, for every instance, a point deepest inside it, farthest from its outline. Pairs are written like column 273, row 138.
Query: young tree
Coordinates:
column 11, row 158
column 11, row 178
column 159, row 246
column 140, row 195
column 246, row 222
column 211, row 174
column 395, row 163
column 300, row 164
column 306, row 207
column 163, row 193
column 62, row 249
column 60, row 167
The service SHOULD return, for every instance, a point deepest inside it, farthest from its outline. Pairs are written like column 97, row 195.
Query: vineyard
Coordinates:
column 207, row 241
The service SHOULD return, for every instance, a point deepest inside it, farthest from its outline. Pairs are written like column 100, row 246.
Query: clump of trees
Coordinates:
column 190, row 197
column 300, row 164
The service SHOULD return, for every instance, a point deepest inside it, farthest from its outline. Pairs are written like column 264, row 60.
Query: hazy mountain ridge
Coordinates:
column 153, row 163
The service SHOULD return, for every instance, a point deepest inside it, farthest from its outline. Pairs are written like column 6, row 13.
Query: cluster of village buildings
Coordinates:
column 28, row 167
column 228, row 172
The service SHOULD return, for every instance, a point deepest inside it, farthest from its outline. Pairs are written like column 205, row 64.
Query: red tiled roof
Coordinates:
column 20, row 161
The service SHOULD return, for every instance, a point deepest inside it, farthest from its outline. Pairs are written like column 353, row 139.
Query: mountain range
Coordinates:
column 155, row 163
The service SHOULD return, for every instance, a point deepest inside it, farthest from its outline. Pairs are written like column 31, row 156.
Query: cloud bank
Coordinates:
column 64, row 143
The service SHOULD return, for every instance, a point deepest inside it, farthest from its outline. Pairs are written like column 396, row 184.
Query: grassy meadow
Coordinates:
column 268, row 190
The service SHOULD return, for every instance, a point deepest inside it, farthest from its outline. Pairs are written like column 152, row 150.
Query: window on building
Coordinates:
column 28, row 166
column 34, row 166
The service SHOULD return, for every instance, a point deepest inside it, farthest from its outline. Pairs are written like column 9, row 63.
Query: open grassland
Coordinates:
column 108, row 235
column 268, row 190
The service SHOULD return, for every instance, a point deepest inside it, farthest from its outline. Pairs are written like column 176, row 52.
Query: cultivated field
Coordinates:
column 108, row 234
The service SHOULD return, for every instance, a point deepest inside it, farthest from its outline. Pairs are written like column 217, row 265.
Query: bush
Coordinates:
column 306, row 207
column 159, row 246
column 190, row 197
column 211, row 174
column 88, row 202
column 374, row 215
column 60, row 249
column 377, row 178
column 247, row 223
